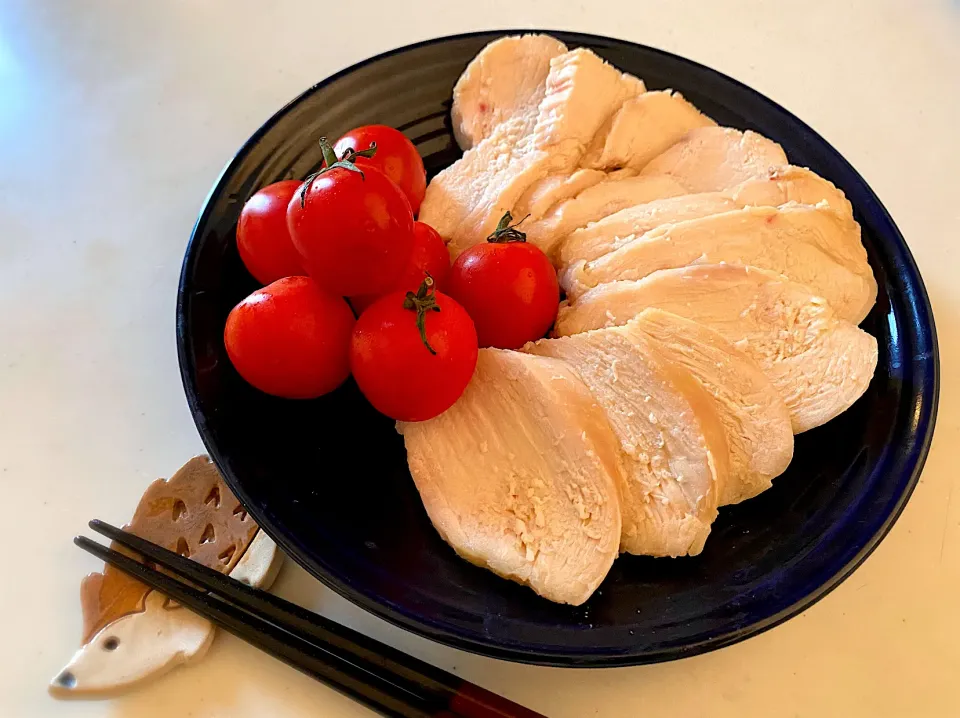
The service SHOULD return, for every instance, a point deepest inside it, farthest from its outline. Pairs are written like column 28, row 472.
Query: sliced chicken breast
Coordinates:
column 521, row 475
column 781, row 185
column 819, row 362
column 643, row 128
column 802, row 243
column 465, row 201
column 755, row 420
column 711, row 159
column 613, row 231
column 505, row 79
column 617, row 191
column 670, row 436
column 541, row 196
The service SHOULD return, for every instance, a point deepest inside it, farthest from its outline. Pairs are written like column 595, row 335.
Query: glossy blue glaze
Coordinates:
column 328, row 478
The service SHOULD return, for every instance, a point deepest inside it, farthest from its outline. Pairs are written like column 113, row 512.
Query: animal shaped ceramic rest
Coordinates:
column 132, row 633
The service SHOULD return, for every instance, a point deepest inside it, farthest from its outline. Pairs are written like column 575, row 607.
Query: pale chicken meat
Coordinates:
column 713, row 292
column 507, row 78
column 541, row 196
column 782, row 185
column 711, row 159
column 642, row 129
column 778, row 187
column 615, row 192
column 819, row 362
column 521, row 475
column 613, row 231
column 465, row 201
column 806, row 244
column 672, row 442
column 754, row 417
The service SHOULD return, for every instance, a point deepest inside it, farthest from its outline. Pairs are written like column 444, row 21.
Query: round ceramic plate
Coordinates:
column 328, row 479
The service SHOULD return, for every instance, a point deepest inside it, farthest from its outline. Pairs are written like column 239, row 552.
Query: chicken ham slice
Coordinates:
column 642, row 129
column 505, row 79
column 541, row 196
column 755, row 420
column 616, row 192
column 820, row 363
column 675, row 454
column 465, row 201
column 603, row 236
column 778, row 187
column 782, row 185
column 520, row 476
column 711, row 159
column 809, row 245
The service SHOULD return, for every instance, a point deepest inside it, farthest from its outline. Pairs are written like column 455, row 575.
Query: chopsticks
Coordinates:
column 384, row 678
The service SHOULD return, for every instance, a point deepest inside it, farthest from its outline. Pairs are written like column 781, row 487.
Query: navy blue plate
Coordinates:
column 328, row 480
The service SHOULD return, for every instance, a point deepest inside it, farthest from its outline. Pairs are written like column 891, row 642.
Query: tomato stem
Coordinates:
column 350, row 154
column 422, row 302
column 329, row 156
column 505, row 232
column 330, row 161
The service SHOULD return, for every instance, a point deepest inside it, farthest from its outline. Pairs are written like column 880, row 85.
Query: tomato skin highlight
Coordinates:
column 396, row 157
column 353, row 231
column 510, row 290
column 429, row 256
column 291, row 339
column 397, row 373
column 263, row 239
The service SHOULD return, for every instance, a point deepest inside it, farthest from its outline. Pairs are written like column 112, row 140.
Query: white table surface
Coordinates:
column 116, row 118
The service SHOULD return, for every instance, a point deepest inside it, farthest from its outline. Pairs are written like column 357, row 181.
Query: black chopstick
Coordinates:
column 382, row 677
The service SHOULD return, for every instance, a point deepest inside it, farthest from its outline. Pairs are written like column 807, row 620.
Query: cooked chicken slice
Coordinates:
column 819, row 362
column 607, row 234
column 818, row 225
column 802, row 243
column 755, row 419
column 642, row 129
column 781, row 185
column 711, row 159
column 506, row 78
column 520, row 475
column 465, row 201
column 617, row 191
column 456, row 197
column 542, row 195
column 670, row 436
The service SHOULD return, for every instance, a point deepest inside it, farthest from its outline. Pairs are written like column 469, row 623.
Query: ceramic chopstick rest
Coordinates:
column 132, row 633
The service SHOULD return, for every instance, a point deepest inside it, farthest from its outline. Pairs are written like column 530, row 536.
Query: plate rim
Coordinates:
column 929, row 396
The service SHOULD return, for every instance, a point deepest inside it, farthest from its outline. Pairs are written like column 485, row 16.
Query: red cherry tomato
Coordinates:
column 262, row 235
column 429, row 256
column 396, row 157
column 509, row 288
column 291, row 339
column 412, row 357
column 352, row 228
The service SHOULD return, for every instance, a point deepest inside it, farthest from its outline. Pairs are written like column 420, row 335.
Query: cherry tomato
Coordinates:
column 412, row 355
column 262, row 235
column 353, row 228
column 291, row 339
column 396, row 157
column 429, row 256
column 508, row 286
